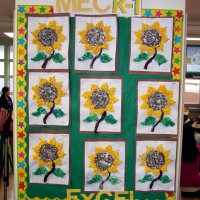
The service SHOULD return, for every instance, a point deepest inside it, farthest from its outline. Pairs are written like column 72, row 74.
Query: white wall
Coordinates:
column 164, row 4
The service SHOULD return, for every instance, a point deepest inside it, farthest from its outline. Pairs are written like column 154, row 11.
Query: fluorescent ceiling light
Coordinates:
column 194, row 39
column 9, row 34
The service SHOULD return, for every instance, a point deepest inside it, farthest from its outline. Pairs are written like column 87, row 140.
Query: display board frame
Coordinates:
column 26, row 190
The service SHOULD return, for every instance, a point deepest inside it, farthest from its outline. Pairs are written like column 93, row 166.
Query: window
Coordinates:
column 192, row 91
column 6, row 66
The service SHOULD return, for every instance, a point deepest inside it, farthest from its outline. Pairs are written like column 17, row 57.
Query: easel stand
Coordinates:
column 5, row 164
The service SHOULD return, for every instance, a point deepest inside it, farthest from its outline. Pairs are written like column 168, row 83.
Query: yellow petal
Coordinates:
column 111, row 91
column 160, row 148
column 98, row 150
column 52, row 141
column 59, row 29
column 42, row 25
column 145, row 26
column 113, row 168
column 113, row 99
column 86, row 95
column 57, row 45
column 52, row 24
column 89, row 26
column 104, row 86
column 149, row 149
column 93, row 87
column 100, row 25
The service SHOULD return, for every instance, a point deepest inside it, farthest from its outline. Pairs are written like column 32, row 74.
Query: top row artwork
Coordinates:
column 96, row 39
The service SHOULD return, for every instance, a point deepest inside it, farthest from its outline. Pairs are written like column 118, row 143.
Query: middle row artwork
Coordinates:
column 101, row 103
column 96, row 43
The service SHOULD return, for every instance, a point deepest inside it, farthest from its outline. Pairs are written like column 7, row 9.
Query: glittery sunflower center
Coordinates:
column 48, row 152
column 47, row 37
column 95, row 37
column 48, row 92
column 155, row 159
column 104, row 161
column 151, row 38
column 157, row 101
column 100, row 98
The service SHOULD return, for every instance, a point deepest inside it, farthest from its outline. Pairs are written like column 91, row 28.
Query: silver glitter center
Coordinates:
column 95, row 37
column 155, row 159
column 157, row 101
column 47, row 37
column 48, row 92
column 151, row 38
column 104, row 161
column 48, row 153
column 99, row 98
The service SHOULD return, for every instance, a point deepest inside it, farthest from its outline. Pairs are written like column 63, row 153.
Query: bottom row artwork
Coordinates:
column 105, row 162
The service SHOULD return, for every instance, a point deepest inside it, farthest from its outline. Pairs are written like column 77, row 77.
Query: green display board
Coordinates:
column 75, row 188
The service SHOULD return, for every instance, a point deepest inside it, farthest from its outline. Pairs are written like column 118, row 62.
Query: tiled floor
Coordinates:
column 10, row 189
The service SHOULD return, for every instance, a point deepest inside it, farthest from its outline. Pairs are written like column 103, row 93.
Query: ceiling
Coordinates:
column 7, row 9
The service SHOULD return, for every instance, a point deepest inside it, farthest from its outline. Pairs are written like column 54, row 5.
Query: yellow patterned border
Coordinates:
column 22, row 10
column 177, row 36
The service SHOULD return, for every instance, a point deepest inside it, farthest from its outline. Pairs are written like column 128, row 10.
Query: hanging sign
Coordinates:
column 121, row 7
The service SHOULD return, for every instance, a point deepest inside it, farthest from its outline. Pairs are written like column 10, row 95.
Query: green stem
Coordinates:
column 94, row 59
column 49, row 113
column 99, row 121
column 48, row 59
column 50, row 172
column 156, row 179
column 161, row 118
column 102, row 182
column 150, row 59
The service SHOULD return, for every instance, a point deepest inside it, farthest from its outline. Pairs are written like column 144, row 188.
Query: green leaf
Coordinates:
column 59, row 172
column 110, row 119
column 40, row 56
column 149, row 121
column 58, row 58
column 147, row 177
column 40, row 170
column 160, row 59
column 142, row 56
column 165, row 179
column 40, row 111
column 86, row 56
column 114, row 180
column 95, row 179
column 58, row 113
column 105, row 58
column 91, row 118
column 167, row 122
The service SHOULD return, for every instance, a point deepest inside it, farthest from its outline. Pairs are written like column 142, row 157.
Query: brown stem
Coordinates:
column 150, row 59
column 161, row 118
column 102, row 182
column 94, row 59
column 156, row 179
column 49, row 113
column 50, row 172
column 99, row 121
column 48, row 59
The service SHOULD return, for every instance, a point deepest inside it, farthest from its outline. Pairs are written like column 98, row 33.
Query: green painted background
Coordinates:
column 129, row 82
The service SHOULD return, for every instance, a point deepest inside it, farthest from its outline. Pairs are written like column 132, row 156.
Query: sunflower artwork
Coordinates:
column 49, row 155
column 95, row 38
column 48, row 38
column 47, row 94
column 100, row 100
column 157, row 102
column 155, row 162
column 154, row 43
column 104, row 162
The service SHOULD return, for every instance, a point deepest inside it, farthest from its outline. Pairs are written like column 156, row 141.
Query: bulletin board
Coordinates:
column 97, row 103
